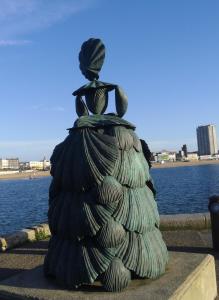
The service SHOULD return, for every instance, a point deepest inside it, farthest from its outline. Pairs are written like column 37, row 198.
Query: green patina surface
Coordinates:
column 102, row 213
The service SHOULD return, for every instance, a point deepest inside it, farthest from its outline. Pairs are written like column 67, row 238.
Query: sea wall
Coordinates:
column 25, row 235
column 198, row 221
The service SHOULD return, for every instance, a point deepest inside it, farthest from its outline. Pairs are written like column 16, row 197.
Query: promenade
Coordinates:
column 37, row 174
column 31, row 254
column 184, row 164
column 25, row 175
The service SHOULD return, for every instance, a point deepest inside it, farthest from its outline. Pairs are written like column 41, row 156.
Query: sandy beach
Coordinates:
column 37, row 174
column 184, row 164
column 24, row 175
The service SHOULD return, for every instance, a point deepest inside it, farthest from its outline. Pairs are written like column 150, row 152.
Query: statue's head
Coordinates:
column 91, row 58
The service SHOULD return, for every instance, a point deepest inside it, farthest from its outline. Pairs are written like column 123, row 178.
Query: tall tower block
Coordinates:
column 207, row 140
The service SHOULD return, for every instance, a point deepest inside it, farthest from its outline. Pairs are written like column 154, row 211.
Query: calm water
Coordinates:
column 185, row 189
column 179, row 190
column 23, row 203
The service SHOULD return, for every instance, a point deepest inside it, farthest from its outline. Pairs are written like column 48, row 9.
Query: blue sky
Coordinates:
column 163, row 53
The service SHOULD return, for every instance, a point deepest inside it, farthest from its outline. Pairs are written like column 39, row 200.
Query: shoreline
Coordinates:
column 37, row 174
column 23, row 175
column 184, row 164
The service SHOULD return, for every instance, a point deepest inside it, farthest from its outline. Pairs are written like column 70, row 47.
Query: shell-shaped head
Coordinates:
column 91, row 58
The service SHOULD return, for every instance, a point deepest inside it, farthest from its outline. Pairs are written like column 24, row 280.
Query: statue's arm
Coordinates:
column 146, row 152
column 147, row 155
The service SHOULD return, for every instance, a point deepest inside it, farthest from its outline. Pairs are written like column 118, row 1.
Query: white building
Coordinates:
column 9, row 163
column 165, row 156
column 3, row 164
column 206, row 157
column 13, row 163
column 39, row 165
column 172, row 156
column 192, row 156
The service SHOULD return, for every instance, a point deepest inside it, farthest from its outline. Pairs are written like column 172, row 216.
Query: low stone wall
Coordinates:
column 28, row 234
column 198, row 221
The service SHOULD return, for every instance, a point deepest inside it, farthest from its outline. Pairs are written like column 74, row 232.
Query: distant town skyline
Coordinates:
column 163, row 53
column 49, row 150
column 213, row 142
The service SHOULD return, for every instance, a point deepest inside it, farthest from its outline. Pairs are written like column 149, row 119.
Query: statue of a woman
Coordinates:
column 102, row 213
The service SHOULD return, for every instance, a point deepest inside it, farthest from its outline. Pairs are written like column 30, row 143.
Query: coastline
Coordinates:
column 23, row 175
column 37, row 174
column 184, row 164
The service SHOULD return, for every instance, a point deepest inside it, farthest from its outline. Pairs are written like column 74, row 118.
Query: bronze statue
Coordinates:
column 102, row 213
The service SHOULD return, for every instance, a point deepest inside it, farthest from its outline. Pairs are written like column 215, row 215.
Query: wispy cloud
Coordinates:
column 36, row 107
column 10, row 8
column 14, row 42
column 21, row 17
column 42, row 107
column 58, row 108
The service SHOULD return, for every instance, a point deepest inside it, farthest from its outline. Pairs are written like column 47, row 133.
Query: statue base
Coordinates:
column 188, row 276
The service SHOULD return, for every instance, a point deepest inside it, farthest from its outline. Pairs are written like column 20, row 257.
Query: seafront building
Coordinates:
column 9, row 163
column 12, row 164
column 39, row 165
column 192, row 156
column 164, row 156
column 3, row 164
column 207, row 140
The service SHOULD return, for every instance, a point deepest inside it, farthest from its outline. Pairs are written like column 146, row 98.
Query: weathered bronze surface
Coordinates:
column 102, row 213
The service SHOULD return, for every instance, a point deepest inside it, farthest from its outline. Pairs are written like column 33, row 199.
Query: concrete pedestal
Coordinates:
column 188, row 276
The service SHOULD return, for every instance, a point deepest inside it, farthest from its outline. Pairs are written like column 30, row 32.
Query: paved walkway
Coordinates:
column 31, row 255
column 194, row 242
column 25, row 257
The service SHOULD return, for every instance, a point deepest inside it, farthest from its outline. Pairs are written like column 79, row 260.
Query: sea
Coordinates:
column 24, row 202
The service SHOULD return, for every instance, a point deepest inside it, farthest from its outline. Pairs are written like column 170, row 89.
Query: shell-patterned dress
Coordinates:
column 102, row 213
